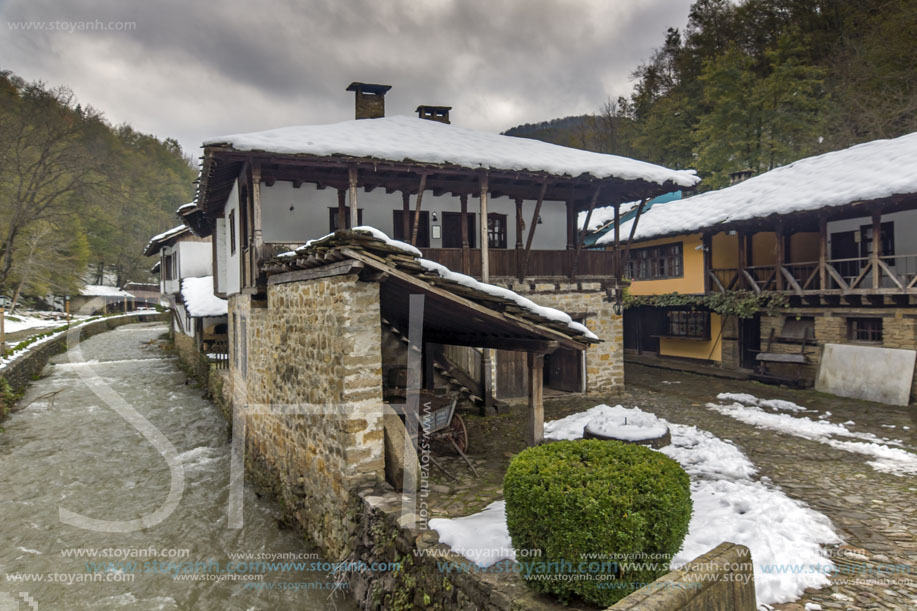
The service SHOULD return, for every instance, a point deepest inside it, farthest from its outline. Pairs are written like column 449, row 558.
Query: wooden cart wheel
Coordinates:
column 459, row 433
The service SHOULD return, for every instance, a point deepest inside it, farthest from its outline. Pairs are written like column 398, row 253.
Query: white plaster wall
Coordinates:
column 231, row 286
column 295, row 215
column 194, row 259
column 219, row 266
column 905, row 229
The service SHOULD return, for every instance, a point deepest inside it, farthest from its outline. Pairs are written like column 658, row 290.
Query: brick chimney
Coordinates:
column 434, row 113
column 370, row 100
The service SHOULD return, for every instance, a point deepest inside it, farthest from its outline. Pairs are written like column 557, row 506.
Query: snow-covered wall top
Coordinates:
column 197, row 293
column 165, row 235
column 412, row 139
column 874, row 170
column 97, row 290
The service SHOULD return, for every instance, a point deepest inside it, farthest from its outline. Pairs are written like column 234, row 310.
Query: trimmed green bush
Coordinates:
column 579, row 511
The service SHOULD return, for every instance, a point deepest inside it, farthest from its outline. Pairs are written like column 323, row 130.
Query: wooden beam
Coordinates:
column 617, row 257
column 466, row 253
column 784, row 273
column 779, row 249
column 535, row 425
column 531, row 327
column 876, row 245
column 741, row 258
column 884, row 267
column 528, row 241
column 822, row 252
column 582, row 234
column 257, row 249
column 325, row 271
column 485, row 242
column 716, row 281
column 420, row 190
column 352, row 181
column 493, row 342
column 706, row 245
column 519, row 224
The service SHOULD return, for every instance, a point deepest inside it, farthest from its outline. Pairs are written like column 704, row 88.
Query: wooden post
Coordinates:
column 779, row 245
column 257, row 236
column 571, row 224
column 519, row 231
column 67, row 308
column 822, row 252
column 485, row 242
column 406, row 215
column 352, row 180
column 617, row 258
column 420, row 190
column 633, row 229
column 582, row 234
column 528, row 241
column 740, row 272
column 876, row 245
column 535, row 426
column 706, row 245
column 3, row 330
column 342, row 209
column 466, row 253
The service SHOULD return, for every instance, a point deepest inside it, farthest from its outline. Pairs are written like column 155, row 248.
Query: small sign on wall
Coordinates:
column 436, row 233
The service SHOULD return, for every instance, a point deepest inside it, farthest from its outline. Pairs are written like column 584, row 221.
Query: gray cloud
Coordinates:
column 193, row 70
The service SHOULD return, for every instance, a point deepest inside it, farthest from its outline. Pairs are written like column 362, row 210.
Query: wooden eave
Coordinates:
column 453, row 313
column 221, row 165
column 801, row 221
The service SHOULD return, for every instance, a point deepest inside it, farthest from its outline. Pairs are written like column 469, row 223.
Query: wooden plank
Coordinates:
column 326, row 271
column 751, row 281
column 535, row 425
column 884, row 267
column 836, row 276
column 716, row 281
column 876, row 244
column 485, row 241
column 529, row 326
column 352, row 183
column 822, row 252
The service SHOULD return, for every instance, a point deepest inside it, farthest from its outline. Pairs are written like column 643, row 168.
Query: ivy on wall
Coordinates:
column 743, row 304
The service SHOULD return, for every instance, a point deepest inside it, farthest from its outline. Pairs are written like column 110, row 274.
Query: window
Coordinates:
column 232, row 232
column 167, row 270
column 888, row 240
column 423, row 230
column 496, row 230
column 452, row 229
column 655, row 262
column 864, row 330
column 687, row 323
column 333, row 218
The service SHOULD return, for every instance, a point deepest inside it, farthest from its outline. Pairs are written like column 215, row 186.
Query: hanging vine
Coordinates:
column 743, row 304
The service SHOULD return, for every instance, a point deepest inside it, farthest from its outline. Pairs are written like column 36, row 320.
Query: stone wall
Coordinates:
column 28, row 365
column 309, row 384
column 720, row 580
column 899, row 330
column 604, row 361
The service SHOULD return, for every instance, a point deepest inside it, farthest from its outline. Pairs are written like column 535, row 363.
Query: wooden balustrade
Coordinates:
column 541, row 264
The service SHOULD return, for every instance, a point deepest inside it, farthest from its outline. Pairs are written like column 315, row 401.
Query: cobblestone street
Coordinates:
column 874, row 513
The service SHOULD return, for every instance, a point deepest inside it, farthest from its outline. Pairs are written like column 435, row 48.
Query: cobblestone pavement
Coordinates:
column 874, row 513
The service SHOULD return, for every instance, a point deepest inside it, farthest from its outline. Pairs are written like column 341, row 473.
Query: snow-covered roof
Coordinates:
column 98, row 290
column 155, row 269
column 197, row 293
column 400, row 138
column 531, row 309
column 185, row 208
column 870, row 171
column 152, row 247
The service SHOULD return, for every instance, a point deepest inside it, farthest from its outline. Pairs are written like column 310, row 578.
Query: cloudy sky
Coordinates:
column 197, row 69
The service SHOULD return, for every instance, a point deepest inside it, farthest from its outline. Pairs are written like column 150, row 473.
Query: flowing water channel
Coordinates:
column 69, row 450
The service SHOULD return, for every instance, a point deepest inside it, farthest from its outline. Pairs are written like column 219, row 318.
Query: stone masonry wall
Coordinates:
column 604, row 361
column 311, row 396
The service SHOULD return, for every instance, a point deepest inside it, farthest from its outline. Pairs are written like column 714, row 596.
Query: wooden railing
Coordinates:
column 541, row 263
column 893, row 274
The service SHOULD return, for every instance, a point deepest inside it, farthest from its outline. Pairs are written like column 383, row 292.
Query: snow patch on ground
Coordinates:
column 729, row 505
column 777, row 404
column 887, row 459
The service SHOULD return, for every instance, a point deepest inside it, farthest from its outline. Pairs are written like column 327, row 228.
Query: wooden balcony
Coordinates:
column 887, row 275
column 593, row 265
